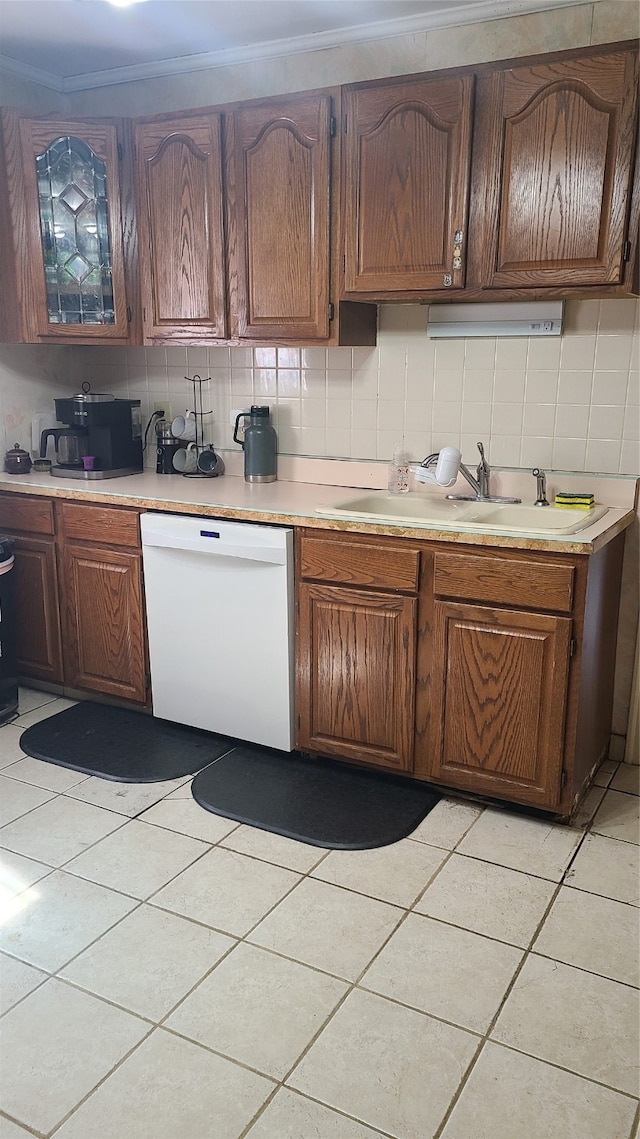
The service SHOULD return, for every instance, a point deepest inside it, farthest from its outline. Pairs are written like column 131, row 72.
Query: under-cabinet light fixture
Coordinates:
column 533, row 318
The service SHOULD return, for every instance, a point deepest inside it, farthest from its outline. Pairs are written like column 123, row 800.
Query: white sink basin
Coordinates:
column 494, row 517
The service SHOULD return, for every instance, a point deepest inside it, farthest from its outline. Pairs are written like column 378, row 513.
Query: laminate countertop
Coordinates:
column 294, row 503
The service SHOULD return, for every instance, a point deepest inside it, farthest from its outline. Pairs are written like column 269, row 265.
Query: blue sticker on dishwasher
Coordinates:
column 209, row 533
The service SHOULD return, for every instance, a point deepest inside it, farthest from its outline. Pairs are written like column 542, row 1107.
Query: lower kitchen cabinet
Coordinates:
column 103, row 607
column 103, row 649
column 499, row 698
column 29, row 522
column 357, row 646
column 485, row 670
column 79, row 595
column 356, row 632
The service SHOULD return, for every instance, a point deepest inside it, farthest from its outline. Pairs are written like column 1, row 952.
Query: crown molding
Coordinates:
column 32, row 74
column 453, row 16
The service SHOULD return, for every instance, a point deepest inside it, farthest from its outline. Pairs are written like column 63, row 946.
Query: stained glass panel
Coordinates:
column 75, row 233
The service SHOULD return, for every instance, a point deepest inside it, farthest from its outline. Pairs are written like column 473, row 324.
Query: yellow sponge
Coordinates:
column 568, row 501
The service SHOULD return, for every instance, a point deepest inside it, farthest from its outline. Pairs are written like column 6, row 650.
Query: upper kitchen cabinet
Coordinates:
column 407, row 165
column 181, row 228
column 283, row 226
column 64, row 224
column 554, row 167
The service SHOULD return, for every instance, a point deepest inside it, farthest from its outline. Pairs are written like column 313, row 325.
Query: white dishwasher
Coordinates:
column 220, row 602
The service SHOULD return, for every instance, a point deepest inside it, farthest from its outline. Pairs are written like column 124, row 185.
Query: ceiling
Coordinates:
column 77, row 44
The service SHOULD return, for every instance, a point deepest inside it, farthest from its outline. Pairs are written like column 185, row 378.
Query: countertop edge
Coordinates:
column 90, row 494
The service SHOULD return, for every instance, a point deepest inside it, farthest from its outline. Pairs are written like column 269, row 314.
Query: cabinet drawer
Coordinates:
column 26, row 515
column 365, row 564
column 530, row 585
column 108, row 525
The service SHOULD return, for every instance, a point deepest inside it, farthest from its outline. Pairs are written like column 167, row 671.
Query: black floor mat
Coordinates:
column 321, row 802
column 115, row 743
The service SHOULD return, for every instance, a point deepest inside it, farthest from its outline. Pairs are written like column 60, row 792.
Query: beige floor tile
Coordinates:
column 577, row 1020
column 17, row 873
column 274, row 848
column 449, row 972
column 607, row 866
column 59, row 917
column 327, row 927
column 51, row 708
column 58, row 1043
column 488, row 899
column 183, row 791
column 50, row 776
column 59, row 830
column 30, row 698
column 521, row 843
column 170, row 1089
column 511, row 1095
column 16, row 980
column 593, row 933
column 588, row 807
column 226, row 890
column 446, row 823
column 389, row 1066
column 9, row 1130
column 618, row 817
column 290, row 1116
column 627, row 778
column 259, row 1009
column 10, row 749
column 605, row 773
column 396, row 873
column 17, row 798
column 186, row 817
column 126, row 798
column 148, row 961
column 138, row 859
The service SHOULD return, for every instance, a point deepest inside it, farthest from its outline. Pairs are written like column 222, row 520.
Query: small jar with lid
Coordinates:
column 17, row 461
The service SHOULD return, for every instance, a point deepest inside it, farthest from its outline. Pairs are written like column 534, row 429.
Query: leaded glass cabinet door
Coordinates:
column 72, row 201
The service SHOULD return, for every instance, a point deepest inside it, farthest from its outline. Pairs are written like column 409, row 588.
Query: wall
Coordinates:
column 568, row 403
column 552, row 30
column 565, row 404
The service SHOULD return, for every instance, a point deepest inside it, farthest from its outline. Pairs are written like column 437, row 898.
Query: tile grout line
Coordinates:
column 308, row 874
column 492, row 1023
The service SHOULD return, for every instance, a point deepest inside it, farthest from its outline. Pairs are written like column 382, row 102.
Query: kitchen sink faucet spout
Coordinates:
column 480, row 484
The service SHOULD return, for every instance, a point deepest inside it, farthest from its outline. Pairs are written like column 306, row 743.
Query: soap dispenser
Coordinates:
column 259, row 445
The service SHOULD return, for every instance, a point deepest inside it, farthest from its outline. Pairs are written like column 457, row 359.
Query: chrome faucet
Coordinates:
column 483, row 470
column 480, row 484
column 541, row 487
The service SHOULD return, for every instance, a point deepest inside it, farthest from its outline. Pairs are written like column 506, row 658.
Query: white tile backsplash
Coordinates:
column 571, row 402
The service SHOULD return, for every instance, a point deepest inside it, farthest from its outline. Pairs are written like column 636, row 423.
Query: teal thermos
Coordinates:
column 260, row 445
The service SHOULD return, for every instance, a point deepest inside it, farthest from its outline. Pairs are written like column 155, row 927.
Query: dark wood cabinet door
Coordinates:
column 407, row 169
column 104, row 646
column 67, row 229
column 281, row 173
column 356, row 674
column 37, row 616
column 499, row 697
column 180, row 221
column 556, row 161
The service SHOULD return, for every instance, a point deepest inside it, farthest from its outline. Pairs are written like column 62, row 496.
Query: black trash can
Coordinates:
column 8, row 663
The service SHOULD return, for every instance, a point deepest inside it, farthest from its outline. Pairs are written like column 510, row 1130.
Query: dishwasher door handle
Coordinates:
column 213, row 548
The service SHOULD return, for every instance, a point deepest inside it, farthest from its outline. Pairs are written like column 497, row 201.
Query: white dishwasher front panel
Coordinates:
column 220, row 608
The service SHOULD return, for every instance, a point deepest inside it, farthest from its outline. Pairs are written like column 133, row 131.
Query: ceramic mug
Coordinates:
column 184, row 426
column 209, row 463
column 185, row 459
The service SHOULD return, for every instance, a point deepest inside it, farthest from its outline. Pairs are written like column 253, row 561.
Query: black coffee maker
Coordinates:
column 103, row 438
